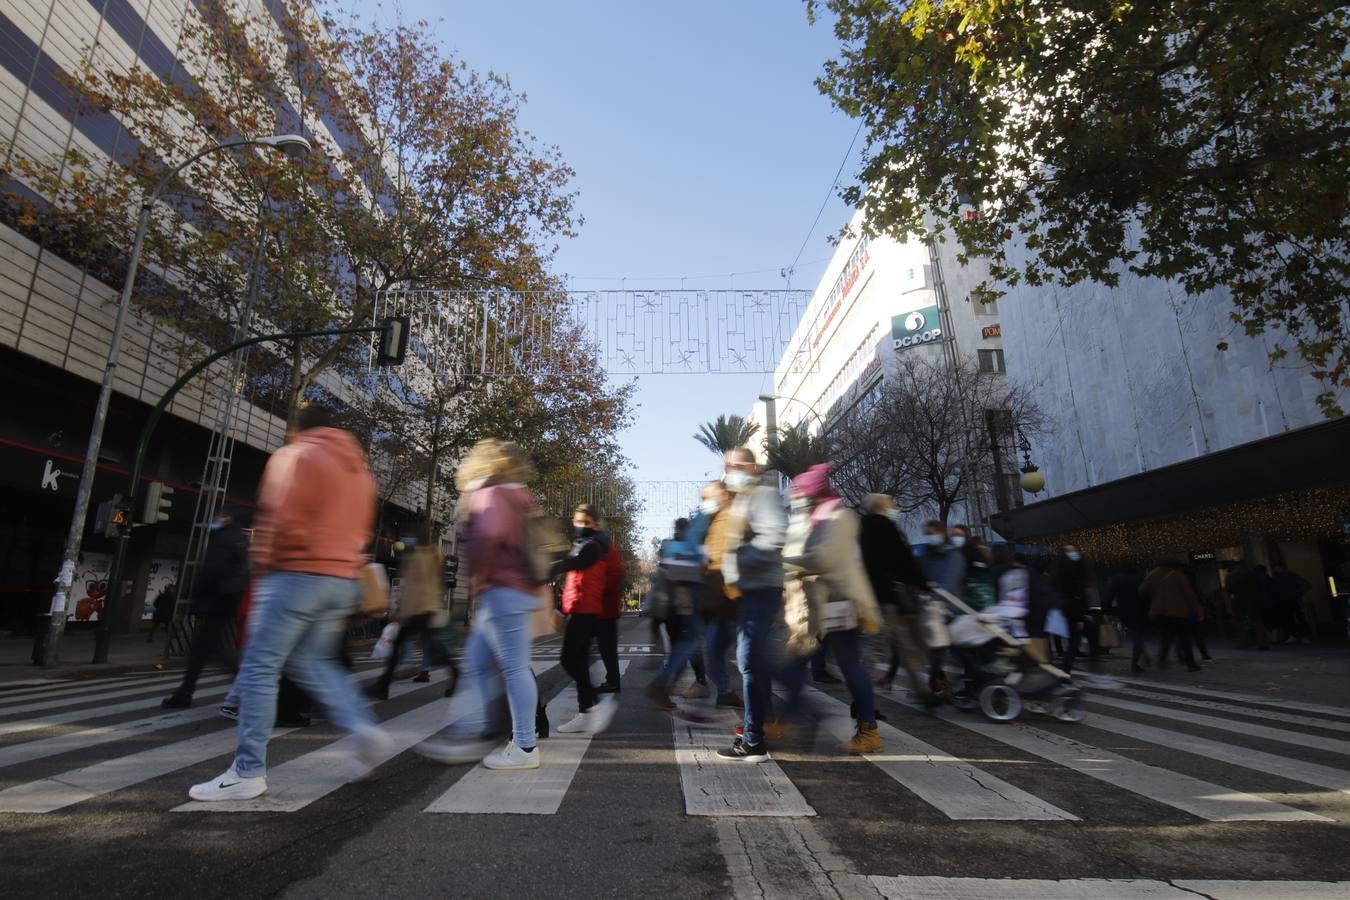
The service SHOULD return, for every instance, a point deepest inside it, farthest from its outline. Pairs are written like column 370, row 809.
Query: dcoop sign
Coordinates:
column 922, row 326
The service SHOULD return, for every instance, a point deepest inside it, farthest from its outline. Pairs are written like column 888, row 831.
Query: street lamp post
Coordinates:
column 291, row 144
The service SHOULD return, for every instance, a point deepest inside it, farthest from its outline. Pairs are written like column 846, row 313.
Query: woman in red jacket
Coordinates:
column 584, row 604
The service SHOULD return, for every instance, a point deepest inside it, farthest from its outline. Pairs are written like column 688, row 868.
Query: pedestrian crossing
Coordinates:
column 1223, row 759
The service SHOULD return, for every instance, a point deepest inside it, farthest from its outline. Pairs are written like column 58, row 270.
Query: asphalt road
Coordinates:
column 1159, row 793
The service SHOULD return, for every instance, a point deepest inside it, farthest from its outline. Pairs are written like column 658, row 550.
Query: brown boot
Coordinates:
column 865, row 740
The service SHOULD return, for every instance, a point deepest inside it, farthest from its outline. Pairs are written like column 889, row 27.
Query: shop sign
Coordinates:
column 992, row 331
column 1204, row 556
column 847, row 280
column 922, row 326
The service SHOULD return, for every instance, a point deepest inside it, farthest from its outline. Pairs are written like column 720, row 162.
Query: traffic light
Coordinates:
column 158, row 500
column 112, row 518
column 393, row 341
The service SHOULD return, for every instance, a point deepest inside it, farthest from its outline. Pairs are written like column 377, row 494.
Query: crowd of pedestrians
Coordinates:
column 781, row 587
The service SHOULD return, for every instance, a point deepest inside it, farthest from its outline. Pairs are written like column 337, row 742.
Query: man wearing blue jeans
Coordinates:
column 752, row 568
column 316, row 509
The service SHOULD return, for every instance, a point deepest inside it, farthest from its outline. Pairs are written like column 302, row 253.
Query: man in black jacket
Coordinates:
column 221, row 581
column 895, row 576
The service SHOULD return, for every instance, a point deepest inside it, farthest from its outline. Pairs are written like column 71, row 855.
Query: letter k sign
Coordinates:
column 50, row 474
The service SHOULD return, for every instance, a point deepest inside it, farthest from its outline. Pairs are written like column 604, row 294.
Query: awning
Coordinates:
column 1297, row 461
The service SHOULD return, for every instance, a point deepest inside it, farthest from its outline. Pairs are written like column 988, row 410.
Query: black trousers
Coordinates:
column 415, row 626
column 208, row 642
column 607, row 638
column 580, row 630
column 1172, row 628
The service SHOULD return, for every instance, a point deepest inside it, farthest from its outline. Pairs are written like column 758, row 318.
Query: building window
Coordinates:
column 991, row 361
column 986, row 309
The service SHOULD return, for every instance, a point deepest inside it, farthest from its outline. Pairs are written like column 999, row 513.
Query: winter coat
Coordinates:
column 492, row 531
column 753, row 557
column 890, row 562
column 586, row 575
column 614, row 578
column 223, row 576
column 945, row 566
column 316, row 506
column 827, row 588
column 1170, row 595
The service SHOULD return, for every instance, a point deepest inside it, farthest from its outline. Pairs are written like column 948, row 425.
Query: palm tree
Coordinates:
column 796, row 451
column 726, row 434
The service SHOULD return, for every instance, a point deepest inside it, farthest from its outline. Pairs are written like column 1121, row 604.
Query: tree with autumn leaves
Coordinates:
column 1202, row 143
column 422, row 177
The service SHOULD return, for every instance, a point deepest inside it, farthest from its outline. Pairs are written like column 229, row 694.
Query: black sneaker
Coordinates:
column 292, row 720
column 825, row 678
column 751, row 753
column 731, row 699
column 609, row 687
column 176, row 701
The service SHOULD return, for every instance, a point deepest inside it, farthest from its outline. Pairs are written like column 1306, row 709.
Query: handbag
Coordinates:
column 1108, row 635
column 374, row 583
column 546, row 619
column 934, row 628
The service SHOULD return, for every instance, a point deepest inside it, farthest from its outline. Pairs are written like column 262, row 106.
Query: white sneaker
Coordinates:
column 602, row 714
column 453, row 752
column 580, row 724
column 229, row 786
column 512, row 757
column 373, row 746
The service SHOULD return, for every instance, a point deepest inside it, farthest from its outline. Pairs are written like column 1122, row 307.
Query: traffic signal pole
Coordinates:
column 393, row 343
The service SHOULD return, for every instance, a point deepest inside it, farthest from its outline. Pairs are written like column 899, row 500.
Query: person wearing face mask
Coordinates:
column 1071, row 584
column 829, row 600
column 895, row 576
column 752, row 569
column 221, row 582
column 583, row 604
column 709, row 530
column 944, row 566
column 683, row 564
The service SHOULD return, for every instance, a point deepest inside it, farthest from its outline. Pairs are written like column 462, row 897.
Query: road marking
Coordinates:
column 59, row 688
column 955, row 788
column 96, row 697
column 726, row 787
column 786, row 858
column 1339, row 712
column 102, row 712
column 1270, row 763
column 933, row 887
column 1211, row 802
column 1281, row 735
column 297, row 783
column 538, row 791
column 1235, row 709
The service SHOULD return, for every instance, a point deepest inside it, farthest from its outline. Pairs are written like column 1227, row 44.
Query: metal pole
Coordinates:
column 104, row 637
column 66, row 576
column 75, row 535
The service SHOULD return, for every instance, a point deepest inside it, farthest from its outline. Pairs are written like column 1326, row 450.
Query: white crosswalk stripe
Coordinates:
column 955, row 788
column 1339, row 712
column 527, row 791
column 926, row 770
column 59, row 688
column 935, row 887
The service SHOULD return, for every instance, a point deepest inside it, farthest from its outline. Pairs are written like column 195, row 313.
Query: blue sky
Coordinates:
column 701, row 147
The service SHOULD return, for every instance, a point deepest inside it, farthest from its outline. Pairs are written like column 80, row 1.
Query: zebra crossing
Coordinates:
column 67, row 745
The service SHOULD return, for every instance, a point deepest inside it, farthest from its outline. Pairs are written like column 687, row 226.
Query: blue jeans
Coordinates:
column 718, row 637
column 846, row 646
column 296, row 625
column 690, row 630
column 501, row 631
column 760, row 611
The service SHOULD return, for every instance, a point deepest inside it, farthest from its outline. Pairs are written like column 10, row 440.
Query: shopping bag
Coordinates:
column 935, row 636
column 1108, row 635
column 1038, row 649
column 374, row 581
column 546, row 619
column 1056, row 624
column 441, row 644
column 385, row 645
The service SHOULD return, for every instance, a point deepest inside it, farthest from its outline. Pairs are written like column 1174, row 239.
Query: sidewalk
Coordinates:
column 1312, row 673
column 129, row 653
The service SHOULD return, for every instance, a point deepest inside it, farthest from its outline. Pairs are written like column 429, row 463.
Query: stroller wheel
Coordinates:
column 1000, row 702
column 1066, row 711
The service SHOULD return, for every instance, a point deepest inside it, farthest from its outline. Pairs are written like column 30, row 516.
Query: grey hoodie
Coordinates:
column 754, row 560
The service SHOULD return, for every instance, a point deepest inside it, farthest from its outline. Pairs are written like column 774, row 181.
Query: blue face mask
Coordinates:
column 934, row 540
column 1075, row 556
column 958, row 542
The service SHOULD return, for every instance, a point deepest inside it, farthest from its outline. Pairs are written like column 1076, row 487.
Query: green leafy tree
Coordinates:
column 795, row 451
column 1205, row 143
column 726, row 433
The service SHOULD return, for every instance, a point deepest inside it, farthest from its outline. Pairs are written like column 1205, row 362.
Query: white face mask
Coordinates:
column 894, row 516
column 738, row 481
column 958, row 541
column 800, row 503
column 709, row 507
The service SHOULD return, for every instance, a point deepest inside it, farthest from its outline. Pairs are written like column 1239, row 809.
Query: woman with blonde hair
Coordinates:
column 493, row 521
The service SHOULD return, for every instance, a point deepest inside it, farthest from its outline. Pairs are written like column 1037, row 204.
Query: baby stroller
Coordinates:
column 1001, row 673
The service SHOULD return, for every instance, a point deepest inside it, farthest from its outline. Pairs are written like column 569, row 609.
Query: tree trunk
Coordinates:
column 297, row 385
column 434, row 467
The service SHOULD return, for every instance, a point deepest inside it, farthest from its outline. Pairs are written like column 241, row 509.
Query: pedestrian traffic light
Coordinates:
column 158, row 500
column 112, row 517
column 393, row 341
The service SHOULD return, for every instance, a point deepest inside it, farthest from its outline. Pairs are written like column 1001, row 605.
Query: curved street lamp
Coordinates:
column 292, row 145
column 1032, row 481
